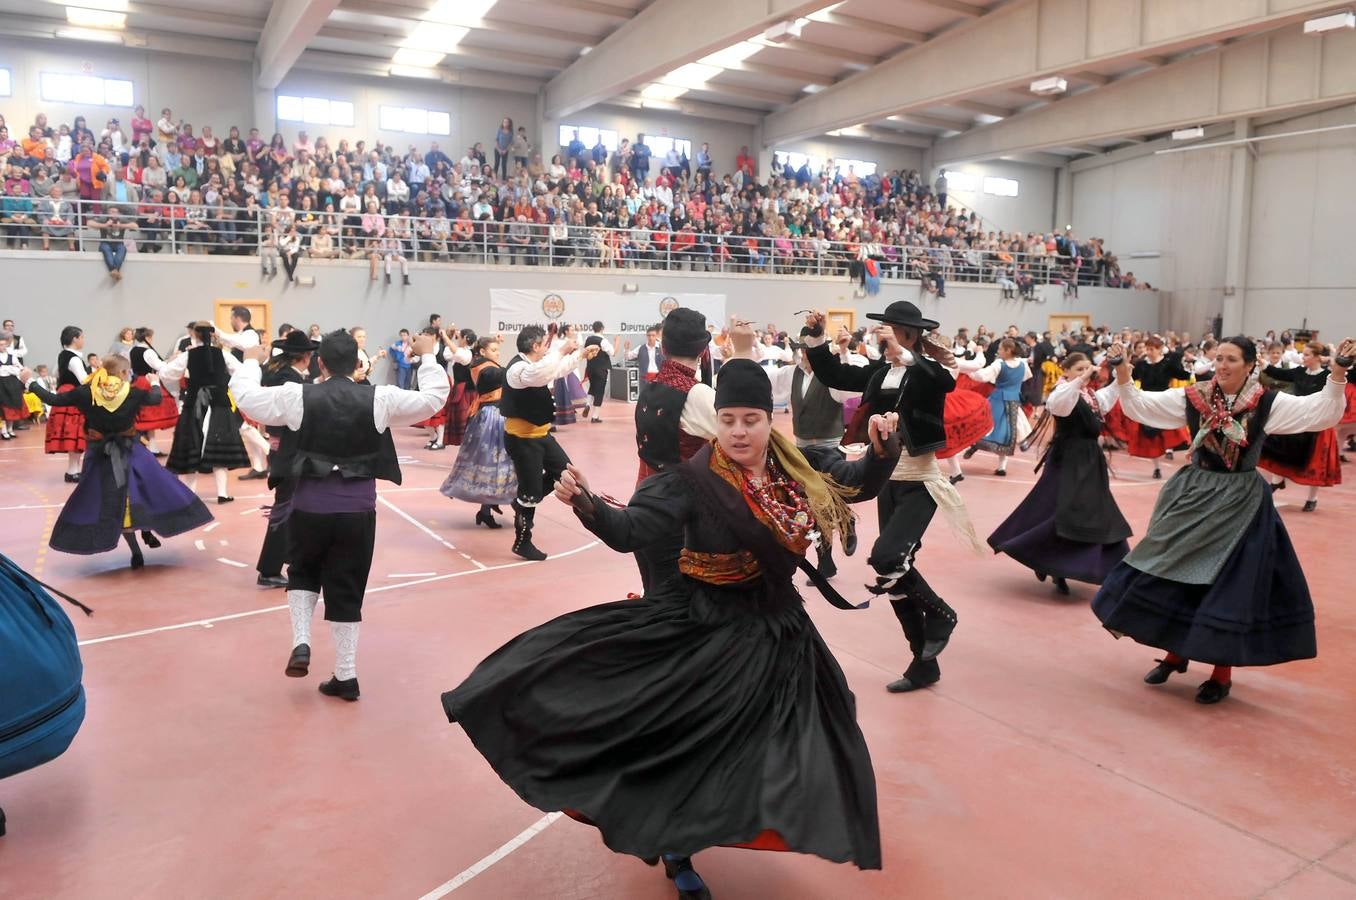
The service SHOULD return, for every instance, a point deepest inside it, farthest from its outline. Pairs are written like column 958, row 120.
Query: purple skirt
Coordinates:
column 122, row 483
column 1030, row 537
column 483, row 472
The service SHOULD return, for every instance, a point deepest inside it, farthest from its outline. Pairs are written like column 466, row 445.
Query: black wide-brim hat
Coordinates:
column 902, row 312
column 296, row 342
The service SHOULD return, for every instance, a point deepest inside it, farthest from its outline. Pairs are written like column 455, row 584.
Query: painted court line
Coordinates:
column 523, row 837
column 416, row 523
column 199, row 544
column 208, row 623
column 231, row 562
column 209, row 528
column 411, row 574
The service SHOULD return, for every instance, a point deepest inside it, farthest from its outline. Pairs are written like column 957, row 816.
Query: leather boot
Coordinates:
column 522, row 533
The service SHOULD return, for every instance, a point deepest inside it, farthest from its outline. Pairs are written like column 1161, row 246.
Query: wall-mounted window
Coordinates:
column 860, row 167
column 796, row 160
column 315, row 111
column 414, row 120
column 86, row 90
column 961, row 183
column 660, row 145
column 1000, row 187
column 589, row 135
column 6, row 83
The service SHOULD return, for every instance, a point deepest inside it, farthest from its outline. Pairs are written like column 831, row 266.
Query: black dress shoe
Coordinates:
column 151, row 540
column 1001, row 473
column 253, row 475
column 344, row 690
column 1310, row 505
column 1212, row 691
column 1061, row 586
column 1040, row 576
column 1275, row 486
column 915, row 682
column 1159, row 673
column 957, row 479
column 1158, row 473
column 138, row 561
column 72, row 479
column 271, row 581
column 299, row 663
column 221, row 500
column 969, row 453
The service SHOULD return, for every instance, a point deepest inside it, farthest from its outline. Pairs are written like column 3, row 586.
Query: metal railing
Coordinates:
column 148, row 227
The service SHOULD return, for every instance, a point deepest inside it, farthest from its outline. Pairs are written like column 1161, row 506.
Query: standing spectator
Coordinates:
column 574, row 151
column 113, row 230
column 91, row 171
column 141, row 126
column 704, row 161
column 166, row 130
column 746, row 165
column 520, row 148
column 939, row 188
column 399, row 353
column 640, row 159
column 503, row 144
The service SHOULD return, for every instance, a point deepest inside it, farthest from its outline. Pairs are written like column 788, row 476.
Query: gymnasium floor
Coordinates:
column 1039, row 767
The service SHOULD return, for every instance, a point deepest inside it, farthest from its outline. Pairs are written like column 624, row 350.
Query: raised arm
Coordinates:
column 1276, row 373
column 660, row 505
column 395, row 406
column 67, row 398
column 280, row 405
column 1295, row 415
column 1157, row 409
column 837, row 374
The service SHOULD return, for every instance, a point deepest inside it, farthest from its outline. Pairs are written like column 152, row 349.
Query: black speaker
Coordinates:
column 624, row 383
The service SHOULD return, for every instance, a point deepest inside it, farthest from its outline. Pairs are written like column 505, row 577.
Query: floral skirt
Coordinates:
column 483, row 472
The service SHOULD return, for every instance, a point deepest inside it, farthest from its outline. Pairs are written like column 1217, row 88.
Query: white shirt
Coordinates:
column 77, row 367
column 391, row 406
column 542, row 372
column 10, row 365
column 606, row 346
column 172, row 371
column 770, row 353
column 1292, row 358
column 783, row 379
column 19, row 348
column 239, row 340
column 699, row 412
column 654, row 352
column 1064, row 398
column 1289, row 414
column 151, row 358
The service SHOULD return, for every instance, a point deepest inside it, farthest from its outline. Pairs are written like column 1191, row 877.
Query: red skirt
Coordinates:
column 458, row 412
column 440, row 417
column 966, row 383
column 1117, row 425
column 15, row 413
column 65, row 428
column 1350, row 415
column 156, row 418
column 966, row 418
column 1150, row 443
column 1322, row 469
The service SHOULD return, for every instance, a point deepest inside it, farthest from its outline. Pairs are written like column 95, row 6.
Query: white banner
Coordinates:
column 512, row 309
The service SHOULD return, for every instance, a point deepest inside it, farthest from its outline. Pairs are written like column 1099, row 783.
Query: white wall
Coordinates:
column 204, row 91
column 475, row 113
column 164, row 292
column 1300, row 260
column 1033, row 209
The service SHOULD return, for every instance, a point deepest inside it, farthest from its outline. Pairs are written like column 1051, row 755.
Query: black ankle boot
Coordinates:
column 1159, row 673
column 484, row 518
column 151, row 540
column 921, row 673
column 685, row 878
column 522, row 533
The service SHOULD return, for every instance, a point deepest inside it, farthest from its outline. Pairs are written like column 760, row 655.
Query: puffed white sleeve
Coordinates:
column 1295, row 415
column 976, row 369
column 1107, row 397
column 699, row 412
column 152, row 359
column 1157, row 409
column 781, row 384
column 1063, row 399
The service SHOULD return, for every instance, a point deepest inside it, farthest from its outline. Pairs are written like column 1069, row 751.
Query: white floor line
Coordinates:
column 32, row 506
column 208, row 623
column 411, row 574
column 231, row 562
column 416, row 523
column 246, row 512
column 523, row 837
column 200, row 544
column 210, row 527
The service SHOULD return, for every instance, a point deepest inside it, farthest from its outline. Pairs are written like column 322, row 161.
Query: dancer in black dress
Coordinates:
column 1312, row 458
column 1069, row 525
column 207, row 435
column 122, row 489
column 290, row 365
column 712, row 714
column 1215, row 577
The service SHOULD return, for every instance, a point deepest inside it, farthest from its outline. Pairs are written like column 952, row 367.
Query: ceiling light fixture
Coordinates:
column 660, row 91
column 108, row 5
column 95, row 18
column 435, row 36
column 1334, row 22
column 1188, row 134
column 408, row 56
column 1047, row 86
column 458, row 11
column 89, row 34
column 651, row 103
column 415, row 72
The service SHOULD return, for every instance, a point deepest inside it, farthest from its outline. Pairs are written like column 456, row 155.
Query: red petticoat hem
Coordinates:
column 65, row 428
column 768, row 839
column 156, row 418
column 15, row 413
column 1323, row 469
column 967, row 418
column 1152, row 446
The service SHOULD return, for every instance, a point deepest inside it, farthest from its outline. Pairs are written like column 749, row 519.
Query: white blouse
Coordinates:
column 1289, row 414
column 1063, row 400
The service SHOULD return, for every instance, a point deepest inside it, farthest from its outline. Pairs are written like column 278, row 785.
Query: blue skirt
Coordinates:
column 1256, row 613
column 100, row 509
column 483, row 472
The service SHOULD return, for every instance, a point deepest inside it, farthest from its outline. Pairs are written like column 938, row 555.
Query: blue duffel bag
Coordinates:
column 42, row 702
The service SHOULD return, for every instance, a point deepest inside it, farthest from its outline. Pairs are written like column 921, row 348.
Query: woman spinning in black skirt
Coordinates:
column 1069, row 525
column 207, row 435
column 1215, row 578
column 712, row 714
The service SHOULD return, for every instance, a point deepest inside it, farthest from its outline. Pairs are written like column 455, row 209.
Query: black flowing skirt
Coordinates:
column 207, row 437
column 1069, row 525
column 688, row 720
column 1257, row 612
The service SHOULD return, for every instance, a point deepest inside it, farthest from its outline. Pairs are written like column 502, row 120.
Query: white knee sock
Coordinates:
column 255, row 446
column 1002, row 463
column 1313, row 492
column 151, row 445
column 953, row 465
column 73, row 461
column 219, row 475
column 345, row 649
column 302, row 606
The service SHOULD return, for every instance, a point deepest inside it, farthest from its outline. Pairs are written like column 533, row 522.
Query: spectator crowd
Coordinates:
column 160, row 185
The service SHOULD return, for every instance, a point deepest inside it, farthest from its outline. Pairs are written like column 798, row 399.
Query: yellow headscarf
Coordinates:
column 108, row 391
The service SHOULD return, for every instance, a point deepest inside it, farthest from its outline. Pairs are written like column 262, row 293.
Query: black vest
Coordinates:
column 534, row 404
column 816, row 416
column 1255, row 424
column 64, row 375
column 338, row 431
column 659, row 414
column 139, row 367
column 598, row 367
column 920, row 401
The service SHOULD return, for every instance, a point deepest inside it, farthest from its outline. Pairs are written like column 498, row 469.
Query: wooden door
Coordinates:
column 1070, row 322
column 260, row 315
column 836, row 317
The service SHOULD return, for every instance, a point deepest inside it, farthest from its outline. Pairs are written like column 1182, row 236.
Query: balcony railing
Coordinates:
column 180, row 229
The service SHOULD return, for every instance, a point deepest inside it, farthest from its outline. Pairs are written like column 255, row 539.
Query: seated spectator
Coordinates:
column 57, row 218
column 17, row 217
column 322, row 246
column 113, row 229
column 289, row 248
column 385, row 249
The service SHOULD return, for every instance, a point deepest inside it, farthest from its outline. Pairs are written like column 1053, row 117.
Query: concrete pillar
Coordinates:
column 1063, row 197
column 547, row 137
column 1236, row 236
column 265, row 112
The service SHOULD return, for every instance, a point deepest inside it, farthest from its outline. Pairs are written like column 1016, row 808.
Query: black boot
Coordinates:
column 827, row 567
column 685, row 878
column 921, row 673
column 522, row 533
column 138, row 561
column 151, row 540
column 484, row 518
column 940, row 619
